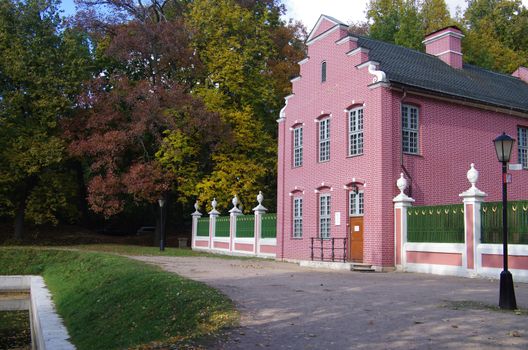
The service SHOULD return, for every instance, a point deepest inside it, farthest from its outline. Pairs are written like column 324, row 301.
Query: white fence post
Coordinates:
column 213, row 214
column 233, row 213
column 195, row 216
column 401, row 203
column 259, row 211
column 473, row 199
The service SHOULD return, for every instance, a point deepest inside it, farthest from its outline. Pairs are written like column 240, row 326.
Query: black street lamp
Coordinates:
column 503, row 147
column 161, row 203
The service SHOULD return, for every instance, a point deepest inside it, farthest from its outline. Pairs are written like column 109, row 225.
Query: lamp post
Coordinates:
column 161, row 203
column 503, row 147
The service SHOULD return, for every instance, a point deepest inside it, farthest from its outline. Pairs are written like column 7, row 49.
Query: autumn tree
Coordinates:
column 140, row 130
column 42, row 65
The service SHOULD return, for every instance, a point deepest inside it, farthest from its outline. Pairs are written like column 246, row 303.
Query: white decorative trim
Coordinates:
column 450, row 248
column 513, row 249
column 325, row 34
column 288, row 97
column 445, row 270
column 379, row 75
column 449, row 51
column 221, row 239
column 366, row 64
column 303, row 61
column 358, row 50
column 346, row 39
column 437, row 37
column 268, row 241
column 295, row 79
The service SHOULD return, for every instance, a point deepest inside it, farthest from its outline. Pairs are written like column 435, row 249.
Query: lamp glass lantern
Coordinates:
column 503, row 147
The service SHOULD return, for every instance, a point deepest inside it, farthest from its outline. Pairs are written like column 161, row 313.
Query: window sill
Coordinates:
column 323, row 161
column 355, row 155
column 296, row 238
column 413, row 154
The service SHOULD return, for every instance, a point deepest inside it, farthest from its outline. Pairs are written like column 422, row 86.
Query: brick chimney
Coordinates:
column 446, row 44
column 521, row 73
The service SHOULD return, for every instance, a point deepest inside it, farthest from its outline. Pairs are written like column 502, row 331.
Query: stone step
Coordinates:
column 361, row 267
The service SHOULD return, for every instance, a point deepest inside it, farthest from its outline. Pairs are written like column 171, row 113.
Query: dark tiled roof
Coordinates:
column 420, row 70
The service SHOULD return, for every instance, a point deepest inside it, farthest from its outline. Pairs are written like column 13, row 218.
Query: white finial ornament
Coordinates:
column 214, row 203
column 472, row 175
column 260, row 198
column 196, row 206
column 234, row 201
column 473, row 191
column 401, row 183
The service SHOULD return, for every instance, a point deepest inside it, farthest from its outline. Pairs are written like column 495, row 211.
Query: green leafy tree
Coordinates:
column 248, row 55
column 497, row 34
column 42, row 65
column 435, row 15
column 396, row 21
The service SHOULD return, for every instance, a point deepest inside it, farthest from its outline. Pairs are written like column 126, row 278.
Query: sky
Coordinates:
column 308, row 11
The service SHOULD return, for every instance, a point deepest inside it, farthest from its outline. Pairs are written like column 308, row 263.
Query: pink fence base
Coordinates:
column 469, row 259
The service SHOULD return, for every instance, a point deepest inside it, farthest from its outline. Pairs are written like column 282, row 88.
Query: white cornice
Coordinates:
column 448, row 51
column 441, row 36
column 303, row 61
column 346, row 39
column 325, row 34
column 295, row 79
column 357, row 50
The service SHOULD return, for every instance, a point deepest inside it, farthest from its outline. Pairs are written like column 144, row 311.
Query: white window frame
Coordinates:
column 355, row 132
column 523, row 146
column 297, row 146
column 325, row 207
column 297, row 217
column 410, row 129
column 356, row 203
column 324, row 140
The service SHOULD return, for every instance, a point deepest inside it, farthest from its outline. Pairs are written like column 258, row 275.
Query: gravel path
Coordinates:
column 284, row 306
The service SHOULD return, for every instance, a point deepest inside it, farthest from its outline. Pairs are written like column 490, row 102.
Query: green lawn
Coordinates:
column 142, row 250
column 112, row 302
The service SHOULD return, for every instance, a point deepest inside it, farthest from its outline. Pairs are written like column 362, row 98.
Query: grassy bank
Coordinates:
column 111, row 302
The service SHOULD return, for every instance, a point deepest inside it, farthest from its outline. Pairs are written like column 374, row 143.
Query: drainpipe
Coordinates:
column 404, row 169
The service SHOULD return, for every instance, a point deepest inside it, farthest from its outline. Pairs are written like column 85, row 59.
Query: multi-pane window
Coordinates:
column 355, row 132
column 324, row 216
column 324, row 140
column 297, row 146
column 323, row 72
column 297, row 217
column 410, row 129
column 523, row 147
column 356, row 203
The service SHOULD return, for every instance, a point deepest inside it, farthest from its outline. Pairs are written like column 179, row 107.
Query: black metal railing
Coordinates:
column 329, row 249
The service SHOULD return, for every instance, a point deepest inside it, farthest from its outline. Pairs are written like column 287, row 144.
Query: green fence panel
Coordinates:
column 436, row 224
column 222, row 226
column 203, row 227
column 269, row 226
column 245, row 226
column 491, row 220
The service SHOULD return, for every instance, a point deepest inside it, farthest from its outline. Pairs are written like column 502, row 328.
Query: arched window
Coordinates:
column 323, row 72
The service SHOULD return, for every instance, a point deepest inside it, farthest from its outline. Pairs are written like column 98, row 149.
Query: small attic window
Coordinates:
column 323, row 72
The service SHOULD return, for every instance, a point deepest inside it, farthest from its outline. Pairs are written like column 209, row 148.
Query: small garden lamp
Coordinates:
column 161, row 203
column 503, row 147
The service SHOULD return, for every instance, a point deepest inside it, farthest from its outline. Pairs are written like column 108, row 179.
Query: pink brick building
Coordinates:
column 362, row 112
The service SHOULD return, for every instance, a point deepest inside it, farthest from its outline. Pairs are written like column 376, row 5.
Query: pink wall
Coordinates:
column 451, row 137
column 451, row 259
